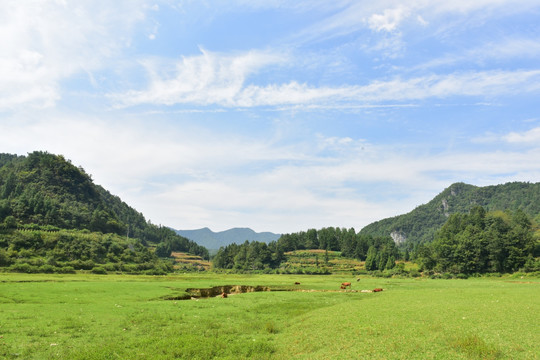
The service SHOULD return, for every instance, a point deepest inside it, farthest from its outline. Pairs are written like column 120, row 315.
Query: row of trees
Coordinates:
column 253, row 255
column 379, row 252
column 474, row 242
column 480, row 242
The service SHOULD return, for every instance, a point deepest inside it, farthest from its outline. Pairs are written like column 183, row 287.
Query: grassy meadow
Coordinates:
column 83, row 316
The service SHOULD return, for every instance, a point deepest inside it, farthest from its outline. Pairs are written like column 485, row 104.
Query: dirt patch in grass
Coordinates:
column 198, row 293
column 224, row 289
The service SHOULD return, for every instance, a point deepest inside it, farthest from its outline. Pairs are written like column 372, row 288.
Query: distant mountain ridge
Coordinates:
column 214, row 240
column 421, row 224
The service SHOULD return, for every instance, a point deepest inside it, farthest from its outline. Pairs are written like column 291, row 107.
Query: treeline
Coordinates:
column 64, row 251
column 379, row 252
column 46, row 191
column 482, row 242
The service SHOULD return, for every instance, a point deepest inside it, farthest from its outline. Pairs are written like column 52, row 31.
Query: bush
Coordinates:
column 531, row 265
column 99, row 270
column 66, row 270
column 111, row 267
column 48, row 269
column 24, row 268
column 414, row 273
column 5, row 260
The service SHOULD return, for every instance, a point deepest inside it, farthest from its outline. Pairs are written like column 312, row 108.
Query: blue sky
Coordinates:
column 275, row 115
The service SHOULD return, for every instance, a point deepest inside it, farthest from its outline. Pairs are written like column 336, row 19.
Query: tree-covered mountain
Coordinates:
column 421, row 224
column 215, row 240
column 44, row 194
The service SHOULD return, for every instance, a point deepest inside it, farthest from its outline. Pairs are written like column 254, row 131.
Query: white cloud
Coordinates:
column 421, row 20
column 188, row 176
column 389, row 20
column 206, row 79
column 44, row 43
column 212, row 80
column 509, row 48
column 528, row 137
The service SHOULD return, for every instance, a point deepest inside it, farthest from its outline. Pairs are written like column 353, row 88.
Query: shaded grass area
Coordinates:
column 124, row 317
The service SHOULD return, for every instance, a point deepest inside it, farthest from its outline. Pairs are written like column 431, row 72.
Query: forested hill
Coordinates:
column 43, row 191
column 421, row 224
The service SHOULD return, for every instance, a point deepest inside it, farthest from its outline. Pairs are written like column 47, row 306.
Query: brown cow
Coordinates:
column 346, row 284
column 377, row 290
column 297, row 283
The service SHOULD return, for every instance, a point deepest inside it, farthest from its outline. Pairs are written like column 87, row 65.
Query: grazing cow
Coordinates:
column 224, row 295
column 377, row 290
column 297, row 283
column 346, row 285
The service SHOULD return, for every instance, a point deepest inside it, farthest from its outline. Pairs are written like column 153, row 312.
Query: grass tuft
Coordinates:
column 474, row 346
column 271, row 328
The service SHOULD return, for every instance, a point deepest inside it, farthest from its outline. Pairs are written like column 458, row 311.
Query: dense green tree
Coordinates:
column 371, row 259
column 480, row 242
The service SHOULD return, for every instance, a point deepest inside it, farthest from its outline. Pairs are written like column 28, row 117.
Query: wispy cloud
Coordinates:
column 206, row 79
column 531, row 136
column 44, row 43
column 389, row 20
column 223, row 80
column 508, row 48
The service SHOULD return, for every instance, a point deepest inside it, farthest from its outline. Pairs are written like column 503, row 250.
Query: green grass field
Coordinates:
column 126, row 317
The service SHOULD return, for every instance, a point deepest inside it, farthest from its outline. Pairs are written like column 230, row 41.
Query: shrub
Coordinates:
column 66, row 270
column 49, row 269
column 414, row 273
column 111, row 267
column 24, row 268
column 99, row 270
column 4, row 258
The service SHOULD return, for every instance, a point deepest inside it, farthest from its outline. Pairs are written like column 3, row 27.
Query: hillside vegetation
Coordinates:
column 421, row 224
column 51, row 213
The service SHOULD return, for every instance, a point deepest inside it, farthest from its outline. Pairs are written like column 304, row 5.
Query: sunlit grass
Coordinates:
column 107, row 317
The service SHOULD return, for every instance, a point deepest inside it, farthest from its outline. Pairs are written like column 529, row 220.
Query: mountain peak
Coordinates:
column 215, row 240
